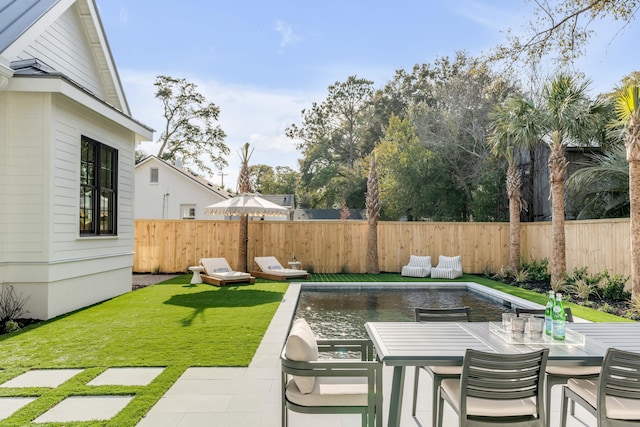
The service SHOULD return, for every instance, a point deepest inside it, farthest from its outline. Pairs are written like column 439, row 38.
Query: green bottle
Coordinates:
column 548, row 318
column 559, row 318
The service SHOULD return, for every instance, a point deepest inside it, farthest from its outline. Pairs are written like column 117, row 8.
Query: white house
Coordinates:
column 166, row 191
column 67, row 140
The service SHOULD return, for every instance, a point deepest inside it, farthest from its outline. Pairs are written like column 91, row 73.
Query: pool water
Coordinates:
column 342, row 313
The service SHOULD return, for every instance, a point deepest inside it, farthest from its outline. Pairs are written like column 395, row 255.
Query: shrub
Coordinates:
column 11, row 304
column 502, row 274
column 538, row 270
column 613, row 287
column 583, row 288
column 521, row 276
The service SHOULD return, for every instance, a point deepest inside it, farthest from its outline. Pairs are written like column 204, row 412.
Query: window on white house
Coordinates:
column 188, row 211
column 154, row 175
column 98, row 188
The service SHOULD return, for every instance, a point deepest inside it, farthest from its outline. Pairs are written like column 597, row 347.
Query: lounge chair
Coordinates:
column 419, row 266
column 449, row 267
column 218, row 272
column 271, row 269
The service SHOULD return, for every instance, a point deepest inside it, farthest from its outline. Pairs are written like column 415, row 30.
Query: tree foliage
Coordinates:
column 332, row 144
column 268, row 180
column 190, row 132
column 564, row 27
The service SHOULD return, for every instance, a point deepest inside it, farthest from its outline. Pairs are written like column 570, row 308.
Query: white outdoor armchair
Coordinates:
column 419, row 266
column 330, row 386
column 449, row 267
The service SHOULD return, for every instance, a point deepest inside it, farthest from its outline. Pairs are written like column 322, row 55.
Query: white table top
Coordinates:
column 417, row 344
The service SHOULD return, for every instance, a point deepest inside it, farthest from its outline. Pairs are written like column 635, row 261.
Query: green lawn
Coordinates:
column 173, row 325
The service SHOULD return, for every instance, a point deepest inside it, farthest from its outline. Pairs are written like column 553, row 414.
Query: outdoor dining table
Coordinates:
column 402, row 344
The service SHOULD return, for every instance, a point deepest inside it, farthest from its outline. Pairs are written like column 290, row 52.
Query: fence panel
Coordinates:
column 341, row 246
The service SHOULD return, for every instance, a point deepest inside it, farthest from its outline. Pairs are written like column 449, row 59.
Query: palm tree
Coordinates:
column 244, row 186
column 602, row 185
column 628, row 112
column 373, row 214
column 568, row 116
column 514, row 125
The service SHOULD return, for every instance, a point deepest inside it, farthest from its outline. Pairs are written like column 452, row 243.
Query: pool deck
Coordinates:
column 232, row 397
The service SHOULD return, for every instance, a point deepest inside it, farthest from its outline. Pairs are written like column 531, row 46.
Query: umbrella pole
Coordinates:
column 243, row 243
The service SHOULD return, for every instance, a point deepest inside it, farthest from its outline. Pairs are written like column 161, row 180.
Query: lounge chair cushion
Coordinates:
column 219, row 268
column 617, row 407
column 302, row 347
column 447, row 268
column 271, row 265
column 331, row 391
column 419, row 266
column 489, row 407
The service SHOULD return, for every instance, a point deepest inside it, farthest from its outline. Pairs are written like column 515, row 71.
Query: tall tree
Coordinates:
column 373, row 215
column 628, row 109
column 568, row 115
column 514, row 126
column 331, row 140
column 190, row 132
column 564, row 26
column 244, row 187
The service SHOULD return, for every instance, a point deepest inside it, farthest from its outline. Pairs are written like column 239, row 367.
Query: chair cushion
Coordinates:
column 330, row 391
column 617, row 408
column 221, row 270
column 275, row 267
column 302, row 347
column 415, row 271
column 488, row 407
column 444, row 370
column 573, row 371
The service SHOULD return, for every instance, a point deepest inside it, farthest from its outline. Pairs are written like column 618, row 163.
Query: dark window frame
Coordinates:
column 98, row 189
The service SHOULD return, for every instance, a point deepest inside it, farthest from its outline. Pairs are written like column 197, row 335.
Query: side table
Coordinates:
column 294, row 265
column 196, row 269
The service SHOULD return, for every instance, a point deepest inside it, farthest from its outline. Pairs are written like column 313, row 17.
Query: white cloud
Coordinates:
column 247, row 114
column 124, row 15
column 287, row 36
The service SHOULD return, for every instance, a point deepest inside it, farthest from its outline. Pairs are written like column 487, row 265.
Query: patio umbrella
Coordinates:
column 250, row 205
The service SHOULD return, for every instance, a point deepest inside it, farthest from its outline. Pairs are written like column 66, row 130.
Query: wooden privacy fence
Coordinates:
column 170, row 246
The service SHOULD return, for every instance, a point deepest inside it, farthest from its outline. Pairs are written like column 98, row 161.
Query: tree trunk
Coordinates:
column 557, row 171
column 513, row 190
column 633, row 157
column 373, row 214
column 242, row 250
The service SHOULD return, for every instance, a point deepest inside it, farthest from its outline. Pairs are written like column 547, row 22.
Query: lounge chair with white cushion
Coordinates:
column 218, row 272
column 449, row 267
column 419, row 266
column 271, row 269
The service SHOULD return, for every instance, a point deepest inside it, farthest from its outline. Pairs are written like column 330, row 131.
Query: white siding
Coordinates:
column 150, row 199
column 4, row 160
column 64, row 47
column 27, row 176
column 71, row 122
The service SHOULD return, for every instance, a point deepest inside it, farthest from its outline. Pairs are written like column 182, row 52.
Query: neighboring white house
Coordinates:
column 165, row 191
column 67, row 143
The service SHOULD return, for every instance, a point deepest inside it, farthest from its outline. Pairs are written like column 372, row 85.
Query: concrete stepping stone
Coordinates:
column 85, row 408
column 127, row 376
column 9, row 405
column 41, row 378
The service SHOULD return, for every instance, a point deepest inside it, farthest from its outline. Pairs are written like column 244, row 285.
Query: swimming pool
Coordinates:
column 341, row 310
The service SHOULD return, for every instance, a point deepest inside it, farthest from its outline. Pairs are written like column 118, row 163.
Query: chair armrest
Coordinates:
column 362, row 346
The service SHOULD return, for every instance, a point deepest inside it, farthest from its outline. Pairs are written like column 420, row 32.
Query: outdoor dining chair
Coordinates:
column 330, row 386
column 614, row 399
column 559, row 375
column 497, row 389
column 438, row 373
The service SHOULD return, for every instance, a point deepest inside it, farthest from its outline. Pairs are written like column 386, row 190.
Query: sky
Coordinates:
column 263, row 62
